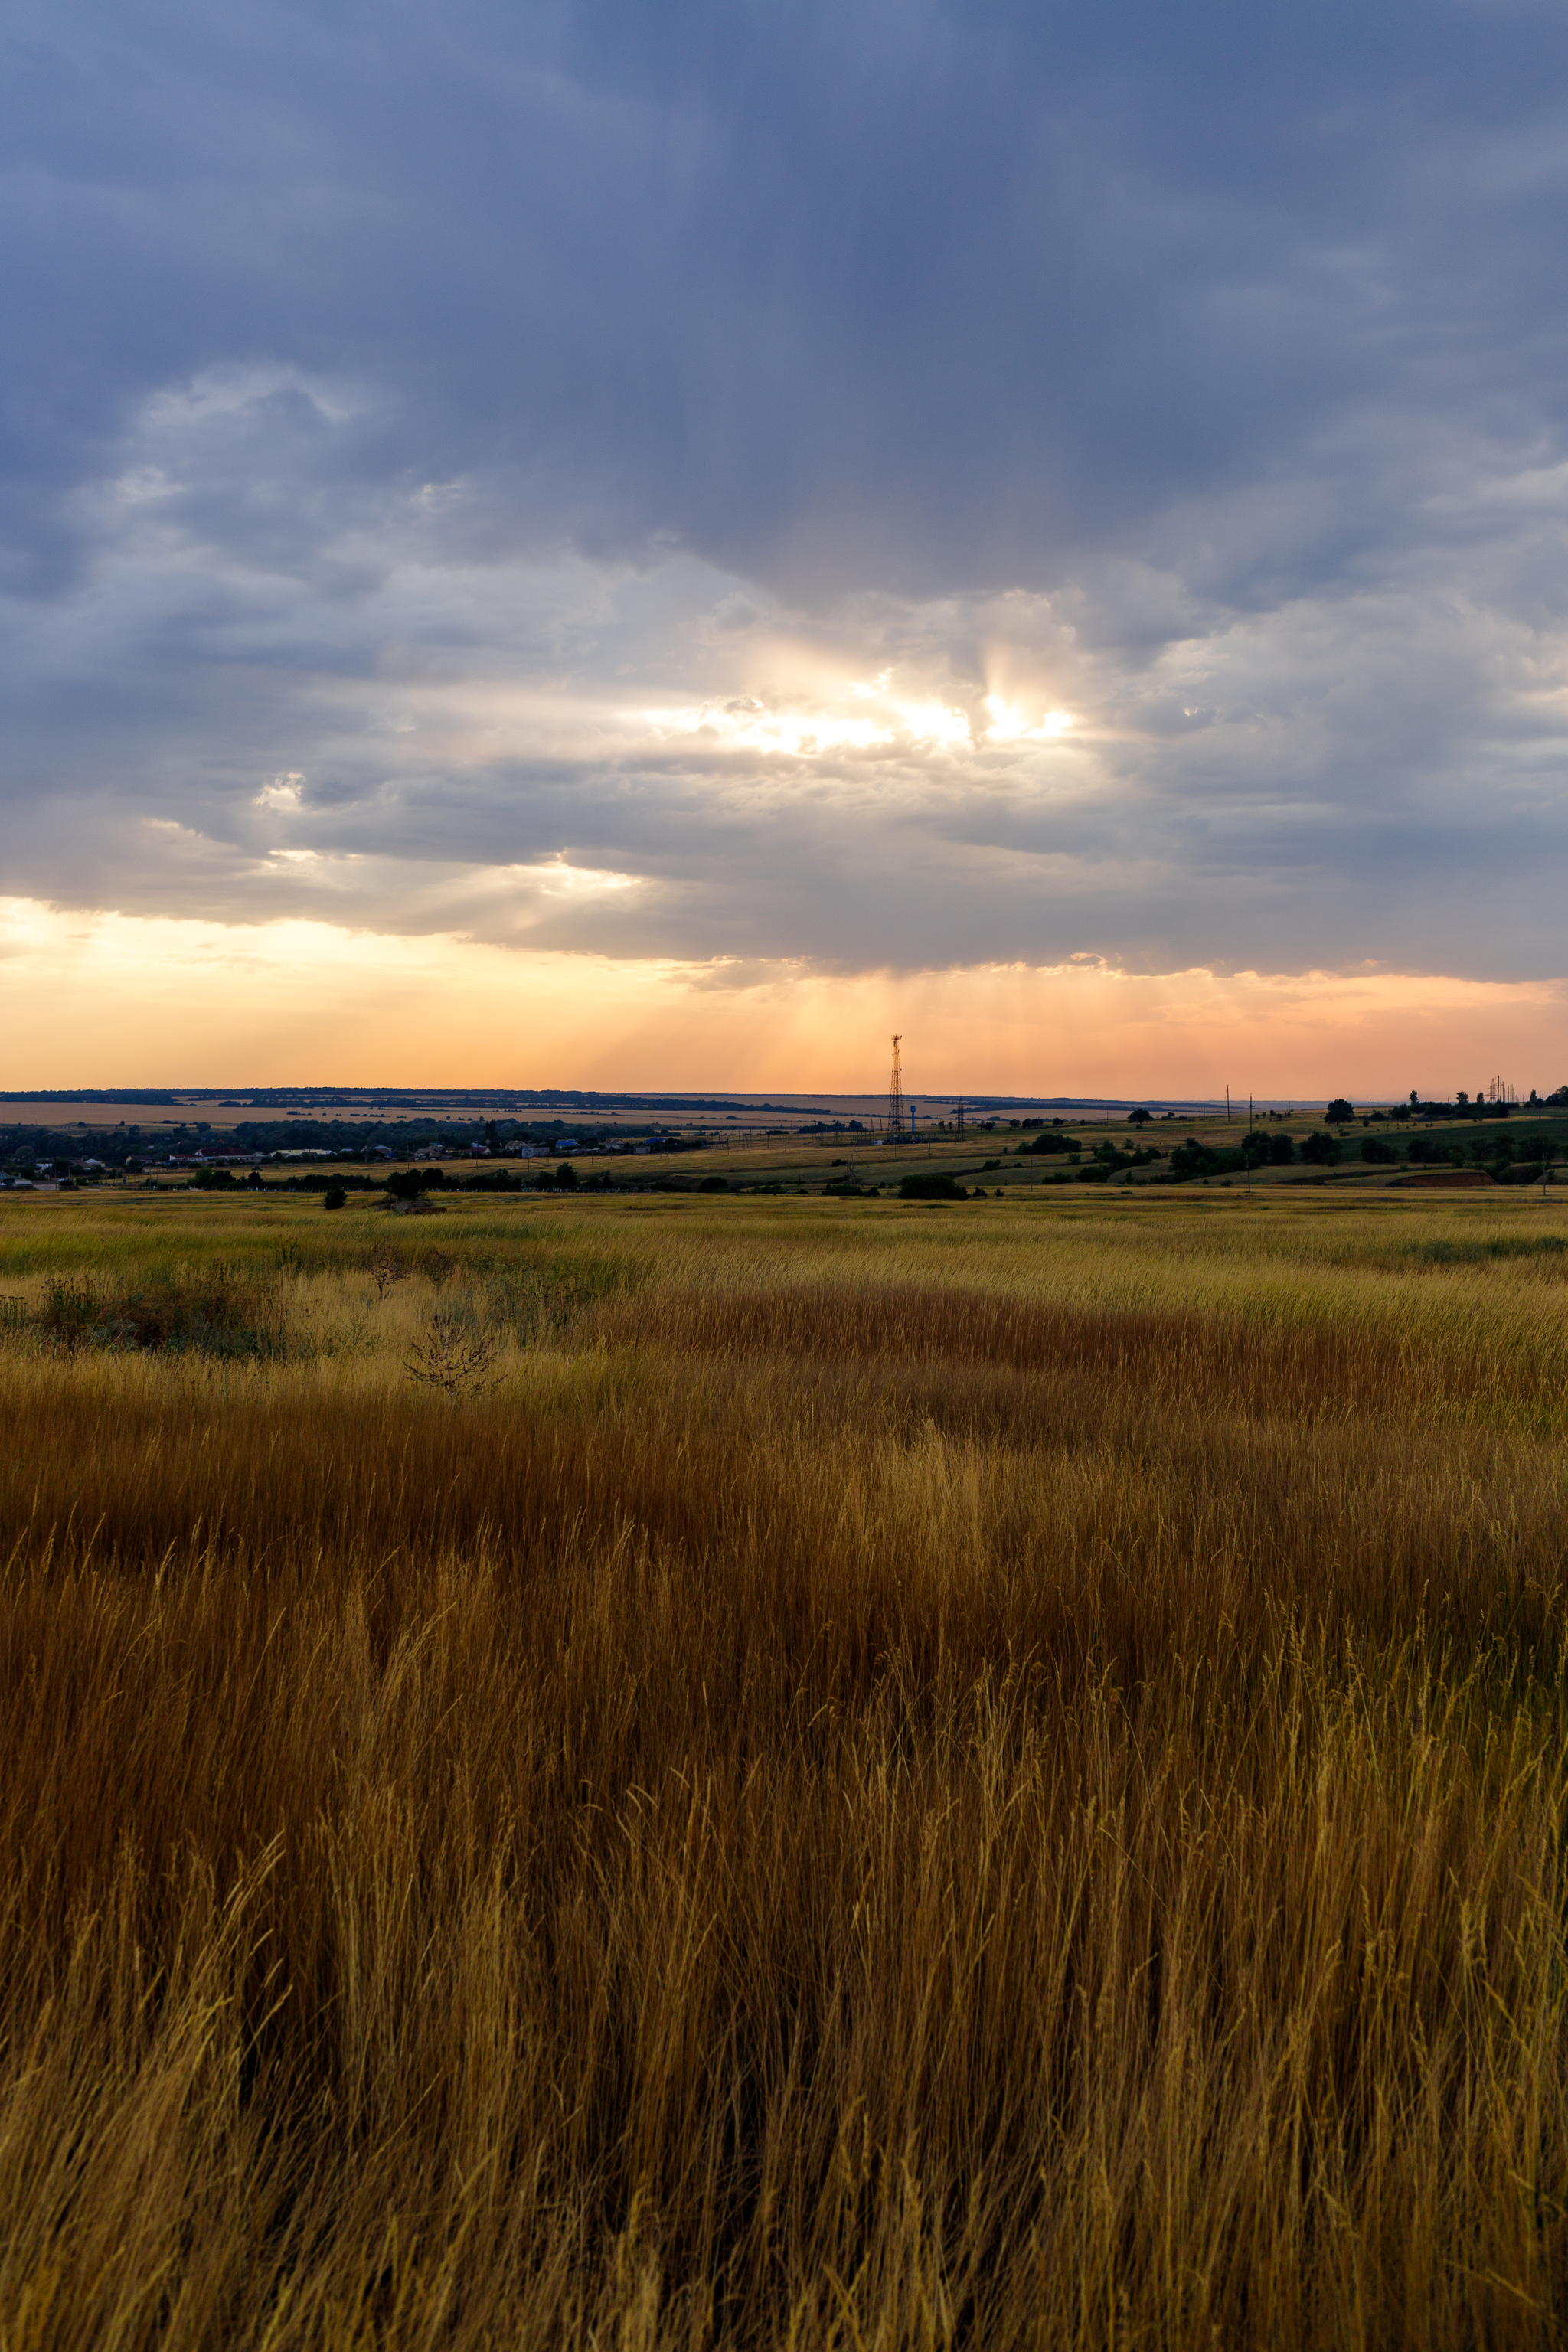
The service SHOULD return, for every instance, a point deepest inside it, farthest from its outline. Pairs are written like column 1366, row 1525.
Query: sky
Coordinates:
column 609, row 543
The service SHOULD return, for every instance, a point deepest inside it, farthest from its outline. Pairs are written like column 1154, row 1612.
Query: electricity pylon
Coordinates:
column 895, row 1099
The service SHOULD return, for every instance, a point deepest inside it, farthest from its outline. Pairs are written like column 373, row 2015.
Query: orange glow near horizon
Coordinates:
column 105, row 1000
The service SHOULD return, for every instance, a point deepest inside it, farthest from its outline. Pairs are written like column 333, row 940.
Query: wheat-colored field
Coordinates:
column 784, row 1773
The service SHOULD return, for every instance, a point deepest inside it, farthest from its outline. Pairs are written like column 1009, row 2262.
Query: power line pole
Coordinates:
column 895, row 1099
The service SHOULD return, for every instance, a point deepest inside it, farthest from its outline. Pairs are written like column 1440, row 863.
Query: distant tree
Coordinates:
column 1281, row 1151
column 1139, row 1117
column 1339, row 1113
column 335, row 1197
column 1191, row 1157
column 1320, row 1151
column 930, row 1188
column 1377, row 1148
column 408, row 1183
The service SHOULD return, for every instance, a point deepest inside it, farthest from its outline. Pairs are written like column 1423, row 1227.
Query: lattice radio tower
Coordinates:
column 896, row 1098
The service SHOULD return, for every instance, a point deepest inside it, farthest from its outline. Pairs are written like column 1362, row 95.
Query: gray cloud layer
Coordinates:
column 402, row 405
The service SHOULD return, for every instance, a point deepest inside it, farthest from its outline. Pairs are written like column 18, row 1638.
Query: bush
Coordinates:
column 218, row 1313
column 1049, row 1143
column 1376, row 1149
column 1320, row 1151
column 1281, row 1151
column 72, row 1314
column 714, row 1184
column 335, row 1197
column 930, row 1188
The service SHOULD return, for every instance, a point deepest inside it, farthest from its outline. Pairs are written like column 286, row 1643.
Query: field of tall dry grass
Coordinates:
column 833, row 1775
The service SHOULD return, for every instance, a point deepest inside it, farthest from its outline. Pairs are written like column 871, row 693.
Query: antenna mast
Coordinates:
column 895, row 1099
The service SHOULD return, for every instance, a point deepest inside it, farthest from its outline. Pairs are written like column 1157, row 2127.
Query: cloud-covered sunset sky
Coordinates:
column 638, row 542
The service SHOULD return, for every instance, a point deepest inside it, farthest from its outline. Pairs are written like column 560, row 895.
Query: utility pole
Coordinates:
column 896, row 1099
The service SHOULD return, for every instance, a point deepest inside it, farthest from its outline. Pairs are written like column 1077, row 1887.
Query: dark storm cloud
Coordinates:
column 1235, row 334
column 901, row 287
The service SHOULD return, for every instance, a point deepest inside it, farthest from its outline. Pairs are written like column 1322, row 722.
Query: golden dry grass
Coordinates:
column 989, row 1776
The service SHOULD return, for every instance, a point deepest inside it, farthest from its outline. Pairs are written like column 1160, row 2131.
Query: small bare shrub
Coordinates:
column 385, row 1270
column 452, row 1355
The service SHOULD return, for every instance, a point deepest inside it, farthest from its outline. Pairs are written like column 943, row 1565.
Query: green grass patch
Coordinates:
column 1482, row 1252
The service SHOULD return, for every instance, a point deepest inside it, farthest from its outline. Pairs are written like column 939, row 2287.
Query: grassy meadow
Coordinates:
column 681, row 1772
